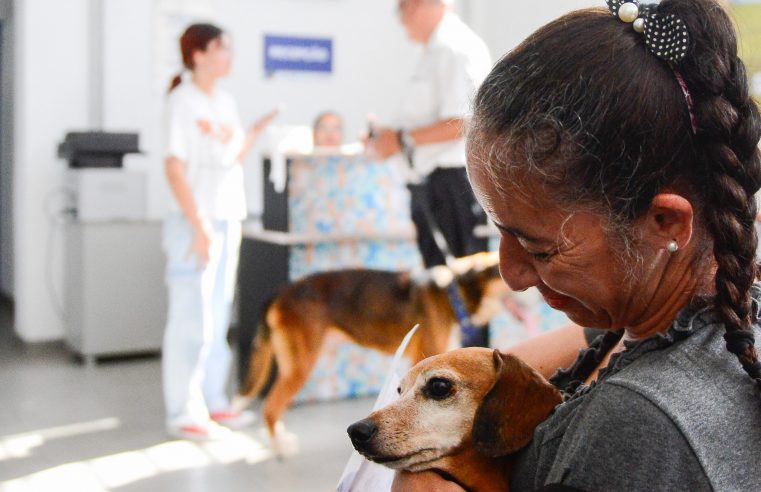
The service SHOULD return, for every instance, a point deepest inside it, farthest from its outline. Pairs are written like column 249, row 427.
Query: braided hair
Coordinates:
column 584, row 105
column 727, row 136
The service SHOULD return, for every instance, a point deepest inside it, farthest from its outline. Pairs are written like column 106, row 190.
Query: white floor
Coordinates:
column 67, row 427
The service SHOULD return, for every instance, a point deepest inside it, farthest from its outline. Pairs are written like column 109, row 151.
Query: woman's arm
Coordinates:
column 178, row 182
column 254, row 132
column 551, row 350
column 386, row 142
column 426, row 481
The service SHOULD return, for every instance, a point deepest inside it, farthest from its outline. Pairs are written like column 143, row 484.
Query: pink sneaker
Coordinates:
column 233, row 419
column 205, row 432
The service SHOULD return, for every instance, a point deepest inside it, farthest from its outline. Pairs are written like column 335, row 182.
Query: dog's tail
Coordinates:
column 260, row 365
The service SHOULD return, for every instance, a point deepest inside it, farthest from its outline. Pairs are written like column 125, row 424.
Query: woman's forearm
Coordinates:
column 252, row 135
column 551, row 350
column 178, row 182
column 441, row 131
column 426, row 481
column 248, row 143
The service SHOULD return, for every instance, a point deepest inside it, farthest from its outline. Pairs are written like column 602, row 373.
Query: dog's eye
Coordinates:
column 399, row 390
column 438, row 388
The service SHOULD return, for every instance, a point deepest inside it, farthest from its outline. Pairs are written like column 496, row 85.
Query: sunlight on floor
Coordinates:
column 21, row 445
column 105, row 473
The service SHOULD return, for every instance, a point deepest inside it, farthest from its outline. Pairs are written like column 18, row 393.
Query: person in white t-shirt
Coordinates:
column 205, row 146
column 434, row 112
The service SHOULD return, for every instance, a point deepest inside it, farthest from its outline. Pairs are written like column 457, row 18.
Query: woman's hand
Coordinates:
column 201, row 246
column 262, row 123
column 254, row 131
column 385, row 143
column 423, row 482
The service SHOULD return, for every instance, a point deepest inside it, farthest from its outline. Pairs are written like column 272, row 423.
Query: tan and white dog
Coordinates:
column 462, row 414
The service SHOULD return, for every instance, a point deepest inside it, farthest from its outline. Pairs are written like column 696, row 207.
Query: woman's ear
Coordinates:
column 670, row 218
column 519, row 401
column 199, row 58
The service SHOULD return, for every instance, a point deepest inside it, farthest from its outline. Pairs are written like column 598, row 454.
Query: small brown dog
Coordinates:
column 374, row 309
column 461, row 414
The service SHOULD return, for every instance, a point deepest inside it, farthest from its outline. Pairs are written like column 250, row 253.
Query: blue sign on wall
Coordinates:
column 297, row 54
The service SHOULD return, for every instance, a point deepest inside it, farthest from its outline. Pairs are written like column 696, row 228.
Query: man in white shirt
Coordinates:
column 434, row 113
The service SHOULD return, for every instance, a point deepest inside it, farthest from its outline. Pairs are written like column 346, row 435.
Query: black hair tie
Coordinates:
column 753, row 369
column 739, row 341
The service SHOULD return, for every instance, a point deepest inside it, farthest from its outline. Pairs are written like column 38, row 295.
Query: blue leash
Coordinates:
column 469, row 333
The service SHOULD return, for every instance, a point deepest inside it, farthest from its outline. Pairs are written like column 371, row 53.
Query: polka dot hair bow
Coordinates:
column 666, row 36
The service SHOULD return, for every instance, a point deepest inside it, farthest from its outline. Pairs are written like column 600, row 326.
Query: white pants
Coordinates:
column 196, row 356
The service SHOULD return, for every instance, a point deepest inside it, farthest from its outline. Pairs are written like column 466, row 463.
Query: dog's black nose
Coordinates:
column 361, row 432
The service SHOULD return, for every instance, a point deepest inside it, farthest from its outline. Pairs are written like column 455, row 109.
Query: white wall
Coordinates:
column 54, row 77
column 370, row 54
column 504, row 24
column 6, row 152
column 51, row 82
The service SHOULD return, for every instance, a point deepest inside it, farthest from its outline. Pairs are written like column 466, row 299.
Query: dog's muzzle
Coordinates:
column 362, row 433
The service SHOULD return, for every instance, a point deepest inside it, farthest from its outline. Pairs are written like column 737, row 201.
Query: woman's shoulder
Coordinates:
column 182, row 96
column 689, row 373
column 224, row 97
column 703, row 391
column 589, row 443
column 679, row 397
column 687, row 362
column 606, row 409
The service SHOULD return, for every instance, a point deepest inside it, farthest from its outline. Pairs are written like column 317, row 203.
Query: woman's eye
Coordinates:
column 543, row 257
column 438, row 388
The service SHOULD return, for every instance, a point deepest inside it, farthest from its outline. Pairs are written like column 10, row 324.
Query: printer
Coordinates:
column 97, row 149
column 103, row 189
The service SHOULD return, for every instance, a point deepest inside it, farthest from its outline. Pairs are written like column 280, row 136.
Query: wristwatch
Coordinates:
column 406, row 142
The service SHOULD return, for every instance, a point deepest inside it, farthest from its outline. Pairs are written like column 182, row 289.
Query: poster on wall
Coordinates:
column 747, row 17
column 297, row 54
column 171, row 19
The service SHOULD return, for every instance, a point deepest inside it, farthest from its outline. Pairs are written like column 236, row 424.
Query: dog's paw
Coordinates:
column 285, row 444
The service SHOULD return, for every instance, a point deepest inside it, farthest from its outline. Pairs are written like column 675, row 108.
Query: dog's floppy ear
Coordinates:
column 519, row 401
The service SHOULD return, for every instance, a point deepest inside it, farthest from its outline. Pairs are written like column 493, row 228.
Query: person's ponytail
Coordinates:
column 177, row 80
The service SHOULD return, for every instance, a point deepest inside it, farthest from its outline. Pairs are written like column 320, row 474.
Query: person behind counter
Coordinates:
column 327, row 130
column 616, row 150
column 205, row 146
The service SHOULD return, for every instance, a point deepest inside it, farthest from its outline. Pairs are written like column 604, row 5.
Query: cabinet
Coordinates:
column 115, row 296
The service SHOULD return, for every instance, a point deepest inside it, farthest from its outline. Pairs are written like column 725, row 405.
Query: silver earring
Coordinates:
column 672, row 246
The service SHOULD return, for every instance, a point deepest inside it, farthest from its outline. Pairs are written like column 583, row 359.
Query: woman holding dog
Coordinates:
column 616, row 150
column 205, row 147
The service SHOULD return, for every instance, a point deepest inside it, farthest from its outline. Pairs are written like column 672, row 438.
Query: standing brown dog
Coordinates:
column 374, row 309
column 462, row 414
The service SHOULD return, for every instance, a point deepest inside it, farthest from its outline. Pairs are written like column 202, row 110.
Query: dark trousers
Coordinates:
column 448, row 196
column 449, row 200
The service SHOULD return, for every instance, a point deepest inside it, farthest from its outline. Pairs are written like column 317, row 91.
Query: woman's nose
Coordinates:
column 515, row 265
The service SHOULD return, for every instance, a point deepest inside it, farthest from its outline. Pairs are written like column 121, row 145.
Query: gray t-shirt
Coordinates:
column 673, row 412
